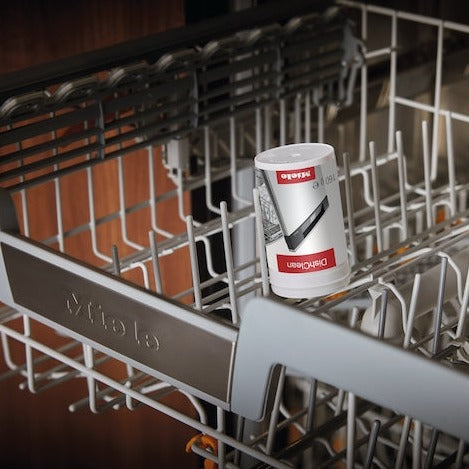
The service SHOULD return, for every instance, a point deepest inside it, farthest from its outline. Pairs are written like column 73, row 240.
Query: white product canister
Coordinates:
column 302, row 220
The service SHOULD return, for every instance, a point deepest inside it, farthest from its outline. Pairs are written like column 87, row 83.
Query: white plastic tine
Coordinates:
column 392, row 84
column 208, row 172
column 308, row 117
column 258, row 130
column 123, row 217
column 229, row 262
column 451, row 166
column 439, row 306
column 412, row 309
column 376, row 197
column 275, row 413
column 372, row 444
column 7, row 354
column 283, row 124
column 402, row 186
column 194, row 263
column 437, row 101
column 298, row 118
column 351, row 430
column 403, row 442
column 417, row 445
column 427, row 175
column 261, row 244
column 155, row 262
column 350, row 210
column 463, row 309
column 151, row 185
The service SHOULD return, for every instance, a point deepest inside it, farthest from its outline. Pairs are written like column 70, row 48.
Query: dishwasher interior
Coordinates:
column 375, row 375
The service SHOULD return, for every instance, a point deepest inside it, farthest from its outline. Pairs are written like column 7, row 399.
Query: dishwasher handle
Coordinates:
column 274, row 333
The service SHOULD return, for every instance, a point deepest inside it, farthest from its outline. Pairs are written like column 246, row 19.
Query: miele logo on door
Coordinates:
column 93, row 313
column 294, row 176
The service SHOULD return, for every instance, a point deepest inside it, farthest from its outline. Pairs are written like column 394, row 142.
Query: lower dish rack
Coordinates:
column 376, row 374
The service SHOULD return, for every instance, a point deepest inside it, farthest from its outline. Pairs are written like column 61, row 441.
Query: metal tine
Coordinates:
column 392, row 83
column 267, row 126
column 229, row 263
column 351, row 411
column 376, row 197
column 463, row 309
column 372, row 444
column 91, row 208
column 427, row 175
column 439, row 306
column 460, row 454
column 20, row 369
column 437, row 102
column 412, row 309
column 402, row 186
column 207, row 165
column 221, row 429
column 350, row 209
column 194, row 263
column 298, row 118
column 403, row 442
column 151, row 180
column 261, row 244
column 320, row 123
column 258, row 130
column 233, row 173
column 123, row 217
column 417, row 445
column 382, row 314
column 275, row 413
column 180, row 197
column 155, row 262
column 308, row 117
column 283, row 125
column 89, row 363
column 451, row 167
column 117, row 272
column 351, row 430
column 363, row 87
column 431, row 449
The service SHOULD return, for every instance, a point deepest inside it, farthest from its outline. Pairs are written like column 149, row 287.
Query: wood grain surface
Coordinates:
column 37, row 431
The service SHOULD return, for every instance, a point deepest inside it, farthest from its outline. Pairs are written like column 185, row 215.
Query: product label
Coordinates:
column 295, row 176
column 306, row 263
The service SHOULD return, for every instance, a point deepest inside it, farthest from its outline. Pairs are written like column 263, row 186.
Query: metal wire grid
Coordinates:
column 390, row 239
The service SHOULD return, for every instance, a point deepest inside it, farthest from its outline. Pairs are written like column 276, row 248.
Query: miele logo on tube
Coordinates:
column 294, row 176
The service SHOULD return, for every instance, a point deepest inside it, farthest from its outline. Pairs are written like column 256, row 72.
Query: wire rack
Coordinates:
column 374, row 375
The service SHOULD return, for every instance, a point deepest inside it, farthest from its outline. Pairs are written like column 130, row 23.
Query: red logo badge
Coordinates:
column 294, row 176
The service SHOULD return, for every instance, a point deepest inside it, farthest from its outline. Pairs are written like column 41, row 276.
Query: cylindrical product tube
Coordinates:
column 302, row 220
